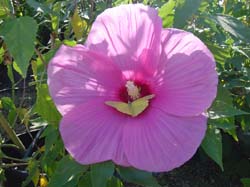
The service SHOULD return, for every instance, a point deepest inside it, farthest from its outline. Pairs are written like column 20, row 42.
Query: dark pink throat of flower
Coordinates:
column 135, row 97
column 143, row 88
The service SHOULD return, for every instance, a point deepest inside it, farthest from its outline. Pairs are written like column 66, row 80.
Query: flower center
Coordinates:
column 134, row 90
column 135, row 98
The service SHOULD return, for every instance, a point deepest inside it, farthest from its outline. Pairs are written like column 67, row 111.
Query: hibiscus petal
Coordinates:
column 92, row 132
column 159, row 142
column 77, row 74
column 187, row 82
column 127, row 33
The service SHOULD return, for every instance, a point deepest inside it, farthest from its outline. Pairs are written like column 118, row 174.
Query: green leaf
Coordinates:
column 10, row 74
column 4, row 8
column 8, row 104
column 114, row 182
column 79, row 25
column 2, row 51
column 45, row 106
column 10, row 107
column 166, row 12
column 55, row 16
column 54, row 22
column 66, row 171
column 17, row 69
column 57, row 150
column 212, row 145
column 233, row 26
column 34, row 173
column 70, row 43
column 223, row 123
column 2, row 175
column 51, row 135
column 137, row 176
column 19, row 35
column 38, row 69
column 184, row 10
column 226, row 124
column 85, row 180
column 223, row 106
column 39, row 7
column 245, row 182
column 204, row 5
column 221, row 54
column 101, row 172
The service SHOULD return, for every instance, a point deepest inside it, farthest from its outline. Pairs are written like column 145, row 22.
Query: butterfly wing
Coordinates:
column 120, row 106
column 132, row 109
column 139, row 105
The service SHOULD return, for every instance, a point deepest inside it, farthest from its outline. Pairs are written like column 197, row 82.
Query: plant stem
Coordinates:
column 8, row 145
column 11, row 77
column 10, row 133
column 13, row 165
column 14, row 159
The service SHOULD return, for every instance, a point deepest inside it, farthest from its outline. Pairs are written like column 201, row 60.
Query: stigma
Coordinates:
column 133, row 90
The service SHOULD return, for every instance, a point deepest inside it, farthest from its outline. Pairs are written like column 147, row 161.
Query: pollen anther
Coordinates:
column 133, row 90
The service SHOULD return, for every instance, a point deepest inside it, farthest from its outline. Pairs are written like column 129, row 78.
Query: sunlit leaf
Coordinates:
column 10, row 74
column 70, row 43
column 212, row 145
column 221, row 54
column 79, row 25
column 184, row 10
column 9, row 106
column 38, row 70
column 2, row 51
column 54, row 22
column 44, row 105
column 223, row 123
column 17, row 69
column 226, row 124
column 233, row 26
column 166, row 12
column 223, row 106
column 4, row 8
column 19, row 35
column 55, row 16
column 23, row 115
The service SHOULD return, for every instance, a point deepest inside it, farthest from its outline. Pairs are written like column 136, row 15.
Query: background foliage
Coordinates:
column 32, row 30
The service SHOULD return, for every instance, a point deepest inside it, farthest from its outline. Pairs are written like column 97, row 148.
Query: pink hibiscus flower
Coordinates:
column 135, row 93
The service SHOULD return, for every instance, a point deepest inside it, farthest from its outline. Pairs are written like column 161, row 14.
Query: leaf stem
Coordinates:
column 10, row 132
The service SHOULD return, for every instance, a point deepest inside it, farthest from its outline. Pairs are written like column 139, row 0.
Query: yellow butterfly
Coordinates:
column 133, row 108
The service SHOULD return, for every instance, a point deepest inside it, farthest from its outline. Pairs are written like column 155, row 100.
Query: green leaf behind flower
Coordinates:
column 212, row 145
column 184, row 10
column 19, row 35
column 138, row 177
column 233, row 26
column 101, row 173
